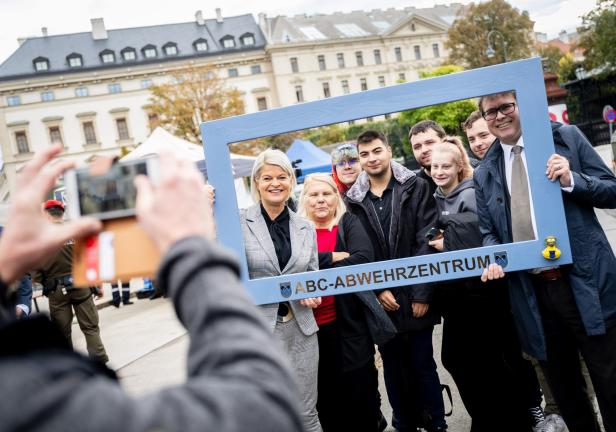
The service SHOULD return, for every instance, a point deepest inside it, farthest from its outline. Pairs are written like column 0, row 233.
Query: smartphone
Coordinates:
column 108, row 196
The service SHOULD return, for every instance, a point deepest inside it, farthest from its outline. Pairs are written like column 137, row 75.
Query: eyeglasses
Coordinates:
column 506, row 108
column 349, row 162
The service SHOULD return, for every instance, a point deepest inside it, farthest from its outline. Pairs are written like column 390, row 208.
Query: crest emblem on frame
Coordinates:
column 501, row 259
column 285, row 289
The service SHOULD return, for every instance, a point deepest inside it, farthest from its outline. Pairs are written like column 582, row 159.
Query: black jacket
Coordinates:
column 362, row 322
column 413, row 214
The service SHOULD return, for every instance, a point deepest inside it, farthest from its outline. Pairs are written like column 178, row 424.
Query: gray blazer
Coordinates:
column 262, row 260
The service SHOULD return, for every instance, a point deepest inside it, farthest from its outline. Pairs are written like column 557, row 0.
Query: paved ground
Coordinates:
column 147, row 345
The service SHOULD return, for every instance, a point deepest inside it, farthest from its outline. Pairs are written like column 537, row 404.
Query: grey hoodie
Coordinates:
column 461, row 199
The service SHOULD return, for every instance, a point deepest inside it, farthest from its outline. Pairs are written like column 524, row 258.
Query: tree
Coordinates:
column 449, row 115
column 468, row 36
column 551, row 56
column 195, row 94
column 598, row 36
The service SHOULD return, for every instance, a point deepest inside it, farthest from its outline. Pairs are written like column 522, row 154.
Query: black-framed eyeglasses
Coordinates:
column 350, row 162
column 506, row 108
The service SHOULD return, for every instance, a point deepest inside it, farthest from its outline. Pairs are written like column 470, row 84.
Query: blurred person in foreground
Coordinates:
column 236, row 380
column 278, row 242
column 350, row 325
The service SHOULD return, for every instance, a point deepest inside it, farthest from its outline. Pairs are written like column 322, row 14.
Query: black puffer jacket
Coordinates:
column 413, row 214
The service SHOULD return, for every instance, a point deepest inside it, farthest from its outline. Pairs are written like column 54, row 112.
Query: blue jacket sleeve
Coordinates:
column 595, row 184
column 486, row 224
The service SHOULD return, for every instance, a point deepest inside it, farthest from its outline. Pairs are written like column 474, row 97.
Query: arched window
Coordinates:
column 149, row 51
column 170, row 49
column 228, row 42
column 107, row 56
column 200, row 45
column 41, row 64
column 129, row 54
column 74, row 60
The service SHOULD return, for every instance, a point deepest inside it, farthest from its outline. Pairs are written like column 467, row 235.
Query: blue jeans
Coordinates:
column 413, row 385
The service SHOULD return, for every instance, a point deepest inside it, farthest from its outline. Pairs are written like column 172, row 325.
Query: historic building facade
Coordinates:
column 89, row 90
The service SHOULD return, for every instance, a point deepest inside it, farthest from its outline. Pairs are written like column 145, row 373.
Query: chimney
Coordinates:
column 218, row 15
column 264, row 25
column 98, row 29
column 199, row 18
column 21, row 40
column 44, row 31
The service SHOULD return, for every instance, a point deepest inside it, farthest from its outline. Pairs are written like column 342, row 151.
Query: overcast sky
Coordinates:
column 20, row 18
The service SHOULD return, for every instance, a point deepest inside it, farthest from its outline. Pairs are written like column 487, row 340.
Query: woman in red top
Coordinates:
column 349, row 324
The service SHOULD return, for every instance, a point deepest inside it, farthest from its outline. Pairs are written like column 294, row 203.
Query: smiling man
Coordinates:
column 422, row 137
column 396, row 209
column 479, row 136
column 560, row 311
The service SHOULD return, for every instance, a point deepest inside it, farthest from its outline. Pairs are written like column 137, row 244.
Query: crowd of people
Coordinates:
column 517, row 345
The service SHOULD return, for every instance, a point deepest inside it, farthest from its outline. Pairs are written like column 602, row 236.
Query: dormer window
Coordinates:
column 107, row 56
column 74, row 60
column 149, row 51
column 200, row 45
column 41, row 64
column 248, row 39
column 228, row 42
column 129, row 54
column 170, row 49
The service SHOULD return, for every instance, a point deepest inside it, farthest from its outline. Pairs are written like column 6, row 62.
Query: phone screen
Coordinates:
column 112, row 193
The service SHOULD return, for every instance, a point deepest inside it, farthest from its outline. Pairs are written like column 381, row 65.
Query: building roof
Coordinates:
column 57, row 48
column 339, row 25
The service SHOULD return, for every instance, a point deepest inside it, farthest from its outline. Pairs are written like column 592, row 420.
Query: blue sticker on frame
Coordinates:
column 525, row 77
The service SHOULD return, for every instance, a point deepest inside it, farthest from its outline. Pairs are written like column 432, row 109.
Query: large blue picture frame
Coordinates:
column 525, row 77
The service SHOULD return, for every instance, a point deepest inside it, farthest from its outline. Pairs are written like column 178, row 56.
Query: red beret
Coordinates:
column 53, row 203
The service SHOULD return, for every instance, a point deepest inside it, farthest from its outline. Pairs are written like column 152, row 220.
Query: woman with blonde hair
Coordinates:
column 278, row 242
column 349, row 324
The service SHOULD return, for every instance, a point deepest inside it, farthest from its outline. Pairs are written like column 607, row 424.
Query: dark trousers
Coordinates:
column 482, row 353
column 413, row 385
column 565, row 338
column 348, row 400
column 115, row 293
column 80, row 300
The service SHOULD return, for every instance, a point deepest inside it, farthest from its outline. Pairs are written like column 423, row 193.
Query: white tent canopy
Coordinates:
column 161, row 140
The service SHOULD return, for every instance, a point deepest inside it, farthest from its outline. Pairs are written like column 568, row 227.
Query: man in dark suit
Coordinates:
column 566, row 310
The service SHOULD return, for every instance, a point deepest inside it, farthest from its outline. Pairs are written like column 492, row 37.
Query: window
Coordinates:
column 294, row 66
column 88, row 132
column 417, row 50
column 248, row 40
column 261, row 104
column 255, row 69
column 381, row 81
column 122, row 129
column 74, row 60
column 232, row 72
column 377, row 57
column 129, row 54
column 114, row 88
column 228, row 42
column 345, row 87
column 412, row 26
column 321, row 62
column 435, row 50
column 146, row 83
column 170, row 49
column 13, row 100
column 326, row 92
column 359, row 56
column 41, row 64
column 340, row 57
column 55, row 136
column 363, row 84
column 299, row 93
column 107, row 56
column 21, row 139
column 81, row 91
column 200, row 45
column 398, row 51
column 402, row 77
column 47, row 96
column 149, row 51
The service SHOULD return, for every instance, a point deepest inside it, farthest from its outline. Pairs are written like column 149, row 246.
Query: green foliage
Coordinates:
column 441, row 70
column 598, row 36
column 566, row 68
column 468, row 36
column 327, row 135
column 551, row 56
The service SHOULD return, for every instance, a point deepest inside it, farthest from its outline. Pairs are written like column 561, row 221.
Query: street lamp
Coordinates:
column 490, row 51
